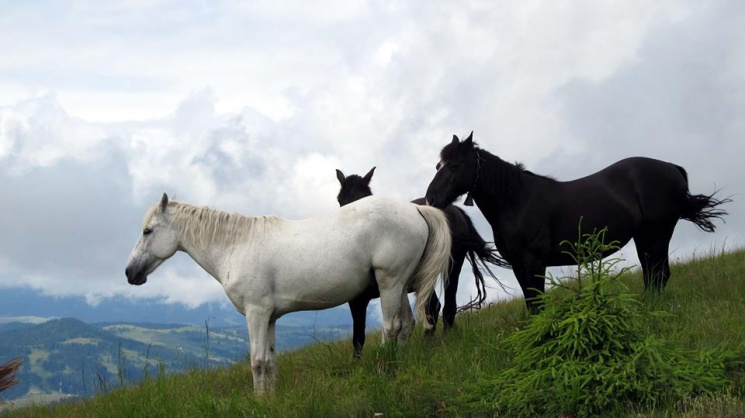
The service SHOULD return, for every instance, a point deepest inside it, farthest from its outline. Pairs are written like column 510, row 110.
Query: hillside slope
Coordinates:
column 705, row 299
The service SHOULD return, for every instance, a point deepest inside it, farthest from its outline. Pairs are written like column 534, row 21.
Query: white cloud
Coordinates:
column 251, row 107
column 191, row 288
column 38, row 132
column 385, row 53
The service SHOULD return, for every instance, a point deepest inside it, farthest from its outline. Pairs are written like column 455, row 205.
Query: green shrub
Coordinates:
column 588, row 352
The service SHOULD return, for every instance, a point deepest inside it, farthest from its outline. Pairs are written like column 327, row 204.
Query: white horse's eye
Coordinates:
column 147, row 231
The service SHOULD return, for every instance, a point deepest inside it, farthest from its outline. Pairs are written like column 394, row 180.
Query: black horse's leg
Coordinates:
column 433, row 312
column 358, row 306
column 451, row 304
column 655, row 267
column 519, row 272
column 652, row 246
column 531, row 276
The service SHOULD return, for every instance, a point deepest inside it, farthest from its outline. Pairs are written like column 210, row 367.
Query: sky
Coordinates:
column 251, row 106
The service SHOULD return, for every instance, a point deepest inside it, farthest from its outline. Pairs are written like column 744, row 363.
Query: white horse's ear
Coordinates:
column 369, row 175
column 469, row 140
column 340, row 176
column 455, row 139
column 163, row 202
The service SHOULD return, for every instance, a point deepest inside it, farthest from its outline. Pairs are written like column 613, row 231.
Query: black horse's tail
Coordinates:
column 480, row 255
column 701, row 209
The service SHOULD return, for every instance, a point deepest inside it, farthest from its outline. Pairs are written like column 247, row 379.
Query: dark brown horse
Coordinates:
column 467, row 243
column 8, row 373
column 530, row 215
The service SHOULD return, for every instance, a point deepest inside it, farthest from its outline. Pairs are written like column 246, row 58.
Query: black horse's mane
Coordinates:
column 521, row 166
column 495, row 175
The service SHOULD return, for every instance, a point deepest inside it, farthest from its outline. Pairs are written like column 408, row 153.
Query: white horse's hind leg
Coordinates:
column 390, row 304
column 407, row 318
column 262, row 358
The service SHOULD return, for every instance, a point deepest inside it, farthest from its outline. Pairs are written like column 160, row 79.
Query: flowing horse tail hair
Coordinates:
column 701, row 209
column 434, row 262
column 8, row 372
column 480, row 255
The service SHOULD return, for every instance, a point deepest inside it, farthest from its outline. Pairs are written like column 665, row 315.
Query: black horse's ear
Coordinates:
column 369, row 175
column 469, row 140
column 455, row 139
column 340, row 176
column 163, row 202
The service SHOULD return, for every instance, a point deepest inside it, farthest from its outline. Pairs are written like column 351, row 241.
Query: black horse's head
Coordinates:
column 456, row 172
column 353, row 187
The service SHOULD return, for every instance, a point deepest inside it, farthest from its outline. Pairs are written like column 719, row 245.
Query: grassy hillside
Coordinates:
column 705, row 299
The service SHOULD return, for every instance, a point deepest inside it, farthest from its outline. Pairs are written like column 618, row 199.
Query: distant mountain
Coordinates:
column 26, row 302
column 14, row 325
column 48, row 334
column 69, row 357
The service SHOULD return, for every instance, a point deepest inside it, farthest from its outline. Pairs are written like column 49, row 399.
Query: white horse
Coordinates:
column 269, row 266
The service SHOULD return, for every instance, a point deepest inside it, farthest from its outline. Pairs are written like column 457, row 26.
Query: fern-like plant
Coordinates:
column 588, row 353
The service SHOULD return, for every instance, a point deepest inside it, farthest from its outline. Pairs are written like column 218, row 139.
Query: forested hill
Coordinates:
column 69, row 358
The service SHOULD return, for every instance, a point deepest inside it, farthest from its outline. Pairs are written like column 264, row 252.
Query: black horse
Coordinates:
column 467, row 243
column 530, row 215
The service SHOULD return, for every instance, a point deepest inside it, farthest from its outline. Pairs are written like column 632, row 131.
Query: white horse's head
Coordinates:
column 158, row 242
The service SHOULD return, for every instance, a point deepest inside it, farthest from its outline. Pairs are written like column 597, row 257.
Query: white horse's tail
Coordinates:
column 435, row 260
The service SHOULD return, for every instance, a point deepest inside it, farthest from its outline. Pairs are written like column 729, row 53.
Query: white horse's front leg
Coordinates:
column 263, row 364
column 272, row 354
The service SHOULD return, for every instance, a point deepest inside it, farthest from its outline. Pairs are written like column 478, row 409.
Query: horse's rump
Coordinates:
column 333, row 255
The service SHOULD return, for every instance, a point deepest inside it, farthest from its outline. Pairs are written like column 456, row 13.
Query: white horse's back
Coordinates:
column 327, row 260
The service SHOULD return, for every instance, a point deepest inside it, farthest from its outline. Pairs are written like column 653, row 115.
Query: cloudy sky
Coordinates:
column 250, row 106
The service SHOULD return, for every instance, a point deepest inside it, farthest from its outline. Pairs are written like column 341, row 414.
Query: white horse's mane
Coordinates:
column 204, row 225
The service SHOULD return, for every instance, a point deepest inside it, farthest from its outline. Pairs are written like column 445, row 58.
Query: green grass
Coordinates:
column 705, row 299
